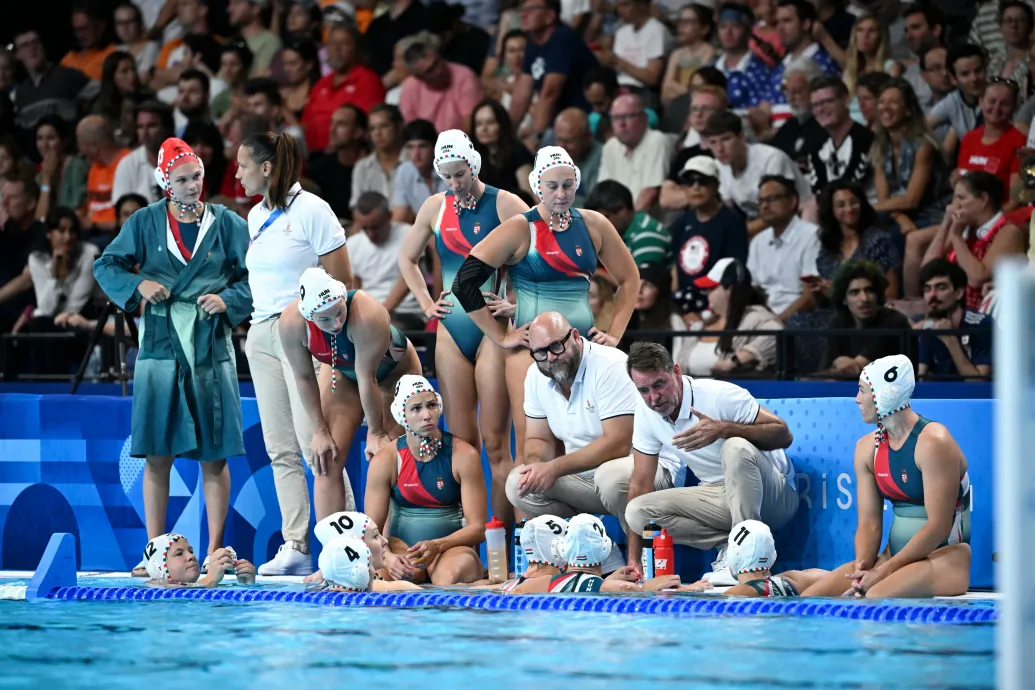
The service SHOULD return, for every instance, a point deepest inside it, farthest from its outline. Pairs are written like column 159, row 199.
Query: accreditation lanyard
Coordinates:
column 277, row 213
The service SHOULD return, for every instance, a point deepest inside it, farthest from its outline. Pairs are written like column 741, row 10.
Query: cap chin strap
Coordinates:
column 197, row 208
column 468, row 203
column 429, row 445
column 563, row 221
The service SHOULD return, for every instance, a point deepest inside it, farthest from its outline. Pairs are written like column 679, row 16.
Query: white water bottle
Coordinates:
column 496, row 549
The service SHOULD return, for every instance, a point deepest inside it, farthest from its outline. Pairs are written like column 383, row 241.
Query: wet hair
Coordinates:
column 285, row 158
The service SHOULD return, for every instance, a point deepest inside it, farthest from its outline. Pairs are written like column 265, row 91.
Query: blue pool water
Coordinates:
column 191, row 643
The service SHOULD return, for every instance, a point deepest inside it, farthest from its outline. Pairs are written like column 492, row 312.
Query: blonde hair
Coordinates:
column 855, row 61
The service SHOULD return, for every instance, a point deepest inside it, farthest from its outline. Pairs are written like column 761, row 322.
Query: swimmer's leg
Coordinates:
column 945, row 573
column 156, row 496
column 216, row 482
column 457, row 565
column 456, row 384
column 343, row 412
column 833, row 584
column 517, row 365
column 494, row 419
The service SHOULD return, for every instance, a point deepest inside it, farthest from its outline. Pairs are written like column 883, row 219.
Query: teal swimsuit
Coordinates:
column 900, row 481
column 426, row 497
column 577, row 581
column 556, row 272
column 455, row 237
column 325, row 346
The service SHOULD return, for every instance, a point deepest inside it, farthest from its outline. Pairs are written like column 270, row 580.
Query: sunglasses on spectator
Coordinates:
column 556, row 347
column 694, row 179
column 1012, row 83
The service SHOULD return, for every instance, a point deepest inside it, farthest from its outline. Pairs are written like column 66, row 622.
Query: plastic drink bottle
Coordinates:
column 664, row 555
column 520, row 564
column 496, row 549
column 650, row 532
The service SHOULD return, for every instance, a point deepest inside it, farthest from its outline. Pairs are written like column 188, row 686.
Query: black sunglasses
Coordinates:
column 689, row 179
column 556, row 347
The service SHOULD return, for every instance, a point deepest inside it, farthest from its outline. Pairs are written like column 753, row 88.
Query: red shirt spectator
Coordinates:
column 998, row 157
column 348, row 83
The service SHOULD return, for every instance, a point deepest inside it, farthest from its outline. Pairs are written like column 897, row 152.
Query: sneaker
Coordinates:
column 614, row 560
column 140, row 570
column 290, row 560
column 720, row 575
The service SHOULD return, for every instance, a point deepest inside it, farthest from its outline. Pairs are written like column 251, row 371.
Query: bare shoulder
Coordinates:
column 382, row 465
column 465, row 453
column 509, row 205
column 864, row 448
column 430, row 208
column 594, row 218
column 291, row 321
column 936, row 438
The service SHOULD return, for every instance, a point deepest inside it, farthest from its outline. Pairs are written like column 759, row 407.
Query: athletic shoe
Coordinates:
column 720, row 575
column 290, row 560
column 140, row 570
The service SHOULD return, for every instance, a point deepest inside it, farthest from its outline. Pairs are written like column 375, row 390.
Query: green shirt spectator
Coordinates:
column 647, row 239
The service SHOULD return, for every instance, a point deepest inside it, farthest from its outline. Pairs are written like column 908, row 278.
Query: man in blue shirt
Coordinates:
column 967, row 356
column 748, row 78
column 556, row 60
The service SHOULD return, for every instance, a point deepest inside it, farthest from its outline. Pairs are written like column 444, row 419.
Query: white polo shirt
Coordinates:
column 762, row 160
column 602, row 389
column 720, row 400
column 295, row 241
column 777, row 263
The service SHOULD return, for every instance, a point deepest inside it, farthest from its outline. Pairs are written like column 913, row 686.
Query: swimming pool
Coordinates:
column 269, row 644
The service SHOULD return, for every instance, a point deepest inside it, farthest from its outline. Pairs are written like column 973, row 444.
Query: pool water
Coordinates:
column 195, row 643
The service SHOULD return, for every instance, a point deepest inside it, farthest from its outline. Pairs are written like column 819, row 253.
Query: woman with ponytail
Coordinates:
column 193, row 281
column 289, row 231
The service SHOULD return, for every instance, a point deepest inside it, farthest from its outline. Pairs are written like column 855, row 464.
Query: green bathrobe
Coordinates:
column 186, row 401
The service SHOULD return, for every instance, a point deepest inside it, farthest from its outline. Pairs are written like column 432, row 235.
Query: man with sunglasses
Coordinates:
column 576, row 393
column 706, row 232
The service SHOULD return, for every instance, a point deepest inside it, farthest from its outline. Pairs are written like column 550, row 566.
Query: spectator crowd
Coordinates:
column 847, row 171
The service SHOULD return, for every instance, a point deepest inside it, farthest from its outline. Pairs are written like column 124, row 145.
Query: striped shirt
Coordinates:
column 648, row 240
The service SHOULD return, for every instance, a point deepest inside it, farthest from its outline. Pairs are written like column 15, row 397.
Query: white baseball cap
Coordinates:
column 345, row 563
column 343, row 524
column 541, row 538
column 703, row 165
column 725, row 272
column 586, row 543
column 750, row 548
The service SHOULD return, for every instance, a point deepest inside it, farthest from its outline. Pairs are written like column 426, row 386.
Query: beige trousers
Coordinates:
column 606, row 492
column 286, row 428
column 702, row 516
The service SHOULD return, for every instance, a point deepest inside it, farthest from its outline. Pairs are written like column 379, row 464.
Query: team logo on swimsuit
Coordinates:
column 477, row 228
column 440, row 484
column 905, row 477
column 578, row 250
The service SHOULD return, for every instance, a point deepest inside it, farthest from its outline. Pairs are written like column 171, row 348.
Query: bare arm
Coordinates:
column 371, row 328
column 521, row 98
column 641, row 482
column 672, row 197
column 646, row 198
column 619, row 262
column 649, row 75
column 396, row 295
column 767, row 432
column 292, row 337
column 960, row 360
column 467, row 464
column 413, row 247
column 670, row 88
column 377, row 495
column 16, row 286
column 1009, row 240
column 337, row 264
column 922, row 168
column 546, row 106
column 870, row 504
column 615, row 442
column 540, row 443
column 403, row 214
column 940, row 459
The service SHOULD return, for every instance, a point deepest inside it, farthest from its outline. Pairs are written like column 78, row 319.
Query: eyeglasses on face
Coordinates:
column 556, row 347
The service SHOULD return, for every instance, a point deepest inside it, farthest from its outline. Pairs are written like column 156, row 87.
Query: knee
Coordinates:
column 916, row 242
column 738, row 452
column 213, row 467
column 160, row 463
column 512, row 486
column 611, row 481
column 636, row 516
column 495, row 449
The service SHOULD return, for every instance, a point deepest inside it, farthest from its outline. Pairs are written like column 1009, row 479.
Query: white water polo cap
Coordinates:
column 342, row 524
column 454, row 145
column 345, row 563
column 542, row 538
column 586, row 544
column 891, row 383
column 156, row 555
column 317, row 290
column 551, row 157
column 750, row 548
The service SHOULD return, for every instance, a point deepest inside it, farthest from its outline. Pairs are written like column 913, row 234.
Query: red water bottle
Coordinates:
column 664, row 555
